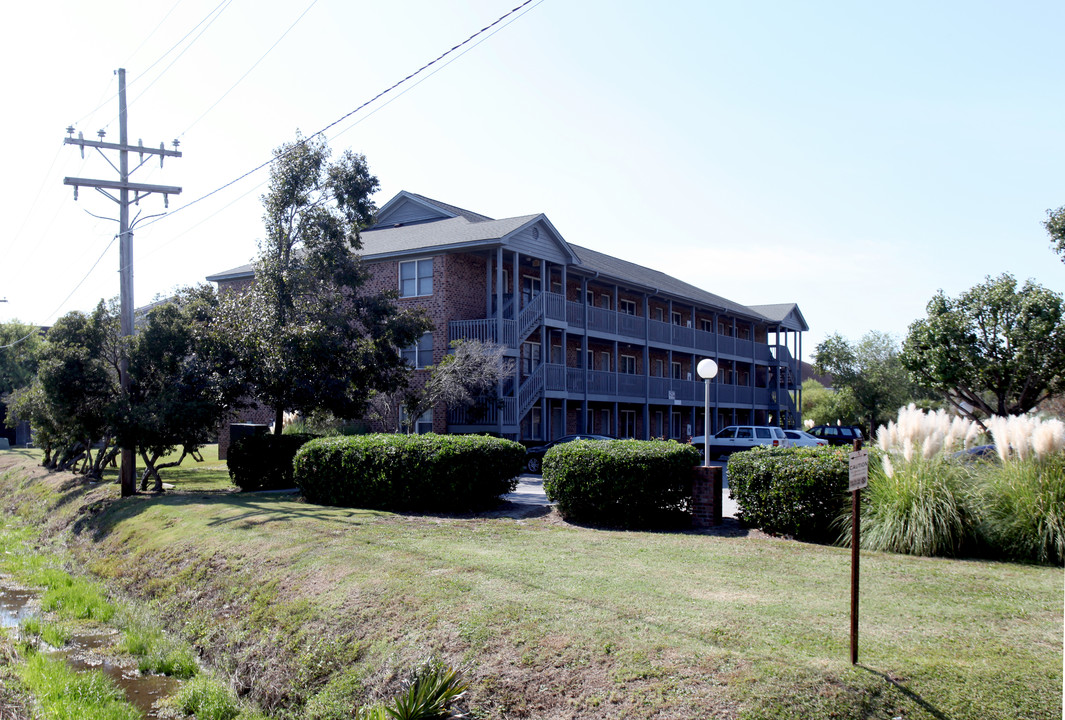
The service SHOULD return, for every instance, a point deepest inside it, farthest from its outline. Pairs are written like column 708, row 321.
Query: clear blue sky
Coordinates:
column 850, row 157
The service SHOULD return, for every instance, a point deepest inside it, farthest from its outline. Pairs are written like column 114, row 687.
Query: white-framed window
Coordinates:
column 604, row 358
column 530, row 358
column 589, row 297
column 627, row 420
column 536, row 424
column 675, row 318
column 675, row 367
column 660, row 314
column 416, row 278
column 530, row 288
column 607, row 426
column 604, row 301
column 628, row 364
column 659, row 368
column 420, row 354
column 590, row 360
column 707, row 325
column 628, row 307
column 423, row 425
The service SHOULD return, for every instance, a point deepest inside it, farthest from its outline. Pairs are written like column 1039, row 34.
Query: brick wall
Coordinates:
column 458, row 294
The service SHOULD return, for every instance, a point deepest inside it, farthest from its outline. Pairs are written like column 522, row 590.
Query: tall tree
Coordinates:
column 1055, row 225
column 306, row 335
column 20, row 345
column 871, row 373
column 176, row 394
column 78, row 384
column 993, row 350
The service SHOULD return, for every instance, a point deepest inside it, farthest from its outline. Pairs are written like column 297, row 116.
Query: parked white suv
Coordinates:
column 735, row 438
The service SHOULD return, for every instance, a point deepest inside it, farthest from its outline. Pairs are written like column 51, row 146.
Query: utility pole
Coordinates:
column 125, row 236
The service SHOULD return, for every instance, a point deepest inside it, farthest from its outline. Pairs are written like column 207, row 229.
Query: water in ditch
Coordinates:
column 85, row 651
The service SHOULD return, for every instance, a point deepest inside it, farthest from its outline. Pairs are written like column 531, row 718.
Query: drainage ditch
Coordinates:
column 89, row 651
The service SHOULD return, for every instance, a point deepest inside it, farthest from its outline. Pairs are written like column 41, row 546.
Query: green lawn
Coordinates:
column 554, row 620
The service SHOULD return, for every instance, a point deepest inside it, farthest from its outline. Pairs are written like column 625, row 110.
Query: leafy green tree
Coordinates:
column 1055, row 225
column 996, row 349
column 78, row 384
column 176, row 395
column 825, row 406
column 20, row 345
column 871, row 372
column 306, row 336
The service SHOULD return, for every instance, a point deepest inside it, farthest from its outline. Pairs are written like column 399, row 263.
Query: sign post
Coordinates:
column 859, row 478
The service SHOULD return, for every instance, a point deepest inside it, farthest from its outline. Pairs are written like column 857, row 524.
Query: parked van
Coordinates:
column 735, row 438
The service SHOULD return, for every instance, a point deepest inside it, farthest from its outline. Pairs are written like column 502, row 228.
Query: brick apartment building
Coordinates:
column 598, row 344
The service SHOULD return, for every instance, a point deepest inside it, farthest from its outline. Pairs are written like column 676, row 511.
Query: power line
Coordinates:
column 434, row 72
column 225, row 4
column 238, row 82
column 347, row 115
column 60, row 306
column 331, row 125
column 153, row 32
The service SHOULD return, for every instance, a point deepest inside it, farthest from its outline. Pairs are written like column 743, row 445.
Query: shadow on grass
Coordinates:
column 99, row 519
column 925, row 705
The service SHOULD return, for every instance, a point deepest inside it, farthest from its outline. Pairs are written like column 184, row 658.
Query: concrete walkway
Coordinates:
column 530, row 491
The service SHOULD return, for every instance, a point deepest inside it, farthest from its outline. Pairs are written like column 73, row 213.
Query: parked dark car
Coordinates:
column 988, row 453
column 837, row 434
column 534, row 456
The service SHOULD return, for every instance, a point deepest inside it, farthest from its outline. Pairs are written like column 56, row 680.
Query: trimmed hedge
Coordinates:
column 791, row 491
column 620, row 483
column 438, row 473
column 264, row 462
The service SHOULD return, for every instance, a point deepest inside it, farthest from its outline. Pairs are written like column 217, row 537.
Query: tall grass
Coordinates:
column 207, row 700
column 923, row 500
column 144, row 639
column 66, row 694
column 1021, row 508
column 918, row 509
column 73, row 597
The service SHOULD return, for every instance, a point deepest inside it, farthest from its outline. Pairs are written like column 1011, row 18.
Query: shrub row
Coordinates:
column 447, row 473
column 264, row 462
column 791, row 491
column 623, row 483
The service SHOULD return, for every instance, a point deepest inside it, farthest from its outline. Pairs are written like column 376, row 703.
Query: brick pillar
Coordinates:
column 706, row 496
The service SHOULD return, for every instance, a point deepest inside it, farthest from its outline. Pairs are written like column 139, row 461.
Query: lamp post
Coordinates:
column 707, row 370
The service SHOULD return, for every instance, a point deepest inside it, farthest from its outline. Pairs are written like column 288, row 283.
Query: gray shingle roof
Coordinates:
column 469, row 229
column 780, row 312
column 624, row 270
column 453, row 232
column 468, row 214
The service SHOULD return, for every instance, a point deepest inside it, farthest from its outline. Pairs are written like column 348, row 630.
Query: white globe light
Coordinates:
column 707, row 369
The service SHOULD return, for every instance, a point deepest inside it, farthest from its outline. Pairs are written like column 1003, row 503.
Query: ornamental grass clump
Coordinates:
column 916, row 502
column 1021, row 500
column 925, row 499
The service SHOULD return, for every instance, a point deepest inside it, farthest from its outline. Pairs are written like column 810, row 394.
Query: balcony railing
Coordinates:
column 659, row 331
column 483, row 330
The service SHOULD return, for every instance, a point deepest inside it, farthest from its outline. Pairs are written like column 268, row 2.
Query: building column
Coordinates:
column 499, row 328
